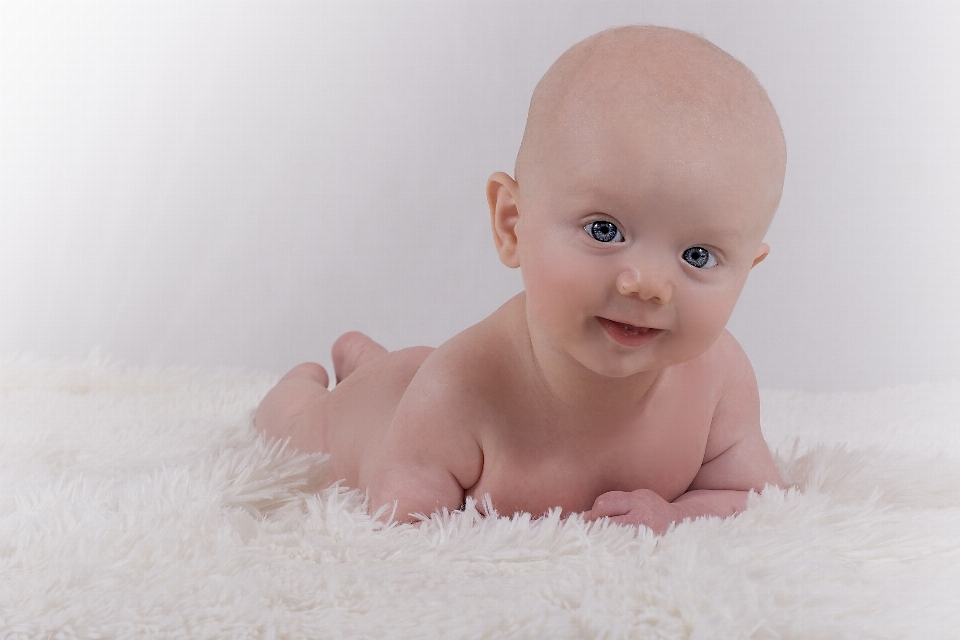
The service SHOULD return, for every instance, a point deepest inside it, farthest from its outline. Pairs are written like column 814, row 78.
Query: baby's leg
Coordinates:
column 281, row 408
column 352, row 350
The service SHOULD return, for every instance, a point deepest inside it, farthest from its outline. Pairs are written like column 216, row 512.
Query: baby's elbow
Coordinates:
column 408, row 502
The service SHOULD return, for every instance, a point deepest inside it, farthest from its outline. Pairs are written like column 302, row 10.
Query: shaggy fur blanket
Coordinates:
column 140, row 503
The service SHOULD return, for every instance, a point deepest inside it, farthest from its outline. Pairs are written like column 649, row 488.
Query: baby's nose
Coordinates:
column 648, row 284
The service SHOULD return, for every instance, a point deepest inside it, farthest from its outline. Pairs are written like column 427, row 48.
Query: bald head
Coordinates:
column 647, row 78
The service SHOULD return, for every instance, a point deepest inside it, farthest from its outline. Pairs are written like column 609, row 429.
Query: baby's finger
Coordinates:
column 590, row 516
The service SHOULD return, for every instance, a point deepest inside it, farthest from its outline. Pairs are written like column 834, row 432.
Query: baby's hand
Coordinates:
column 643, row 507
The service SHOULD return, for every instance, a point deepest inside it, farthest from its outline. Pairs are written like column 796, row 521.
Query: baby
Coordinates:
column 650, row 169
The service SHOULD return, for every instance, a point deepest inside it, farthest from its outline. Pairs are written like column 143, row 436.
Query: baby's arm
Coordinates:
column 429, row 455
column 736, row 460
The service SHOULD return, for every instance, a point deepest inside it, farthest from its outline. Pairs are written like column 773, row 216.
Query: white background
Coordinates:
column 239, row 183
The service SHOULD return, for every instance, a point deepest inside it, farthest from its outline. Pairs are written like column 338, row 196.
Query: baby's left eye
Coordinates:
column 699, row 257
column 603, row 231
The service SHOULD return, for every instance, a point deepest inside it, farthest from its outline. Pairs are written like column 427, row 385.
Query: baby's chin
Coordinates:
column 619, row 365
column 626, row 362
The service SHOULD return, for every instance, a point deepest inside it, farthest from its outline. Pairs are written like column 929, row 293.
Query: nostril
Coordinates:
column 628, row 282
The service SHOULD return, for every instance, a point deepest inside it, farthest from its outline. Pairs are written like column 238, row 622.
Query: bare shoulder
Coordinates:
column 736, row 455
column 473, row 365
column 726, row 353
column 737, row 413
column 460, row 381
column 431, row 452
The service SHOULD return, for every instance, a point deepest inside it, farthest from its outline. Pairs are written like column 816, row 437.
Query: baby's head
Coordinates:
column 651, row 166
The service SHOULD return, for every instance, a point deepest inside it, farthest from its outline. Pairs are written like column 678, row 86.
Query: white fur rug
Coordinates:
column 140, row 503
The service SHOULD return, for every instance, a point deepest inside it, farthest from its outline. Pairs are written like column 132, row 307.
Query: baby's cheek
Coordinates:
column 549, row 296
column 557, row 275
column 559, row 292
column 701, row 329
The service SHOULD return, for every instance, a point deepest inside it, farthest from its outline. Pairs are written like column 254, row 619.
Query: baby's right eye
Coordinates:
column 603, row 231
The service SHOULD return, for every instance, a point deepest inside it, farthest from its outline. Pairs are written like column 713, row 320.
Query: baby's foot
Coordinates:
column 351, row 350
column 311, row 371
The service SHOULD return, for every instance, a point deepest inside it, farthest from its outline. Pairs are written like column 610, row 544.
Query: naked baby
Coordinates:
column 651, row 166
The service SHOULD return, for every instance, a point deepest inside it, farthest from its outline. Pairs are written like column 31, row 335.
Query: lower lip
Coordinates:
column 626, row 337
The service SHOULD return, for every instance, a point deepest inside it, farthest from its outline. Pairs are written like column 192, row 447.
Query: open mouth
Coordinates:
column 628, row 334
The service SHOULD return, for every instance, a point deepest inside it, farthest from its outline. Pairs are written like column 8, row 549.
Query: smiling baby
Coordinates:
column 651, row 166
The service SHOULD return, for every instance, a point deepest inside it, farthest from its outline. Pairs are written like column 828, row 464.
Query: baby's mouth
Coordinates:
column 629, row 328
column 628, row 334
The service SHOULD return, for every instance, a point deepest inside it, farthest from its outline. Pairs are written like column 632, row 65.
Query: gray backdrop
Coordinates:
column 237, row 183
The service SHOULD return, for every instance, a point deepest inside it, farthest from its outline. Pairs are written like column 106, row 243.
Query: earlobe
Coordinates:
column 502, row 193
column 761, row 256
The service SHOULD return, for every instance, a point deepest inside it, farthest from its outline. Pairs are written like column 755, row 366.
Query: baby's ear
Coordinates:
column 502, row 193
column 762, row 254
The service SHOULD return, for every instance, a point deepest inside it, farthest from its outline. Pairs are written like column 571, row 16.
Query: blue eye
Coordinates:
column 603, row 231
column 699, row 257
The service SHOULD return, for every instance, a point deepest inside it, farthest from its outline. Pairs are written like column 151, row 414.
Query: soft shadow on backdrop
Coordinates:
column 237, row 183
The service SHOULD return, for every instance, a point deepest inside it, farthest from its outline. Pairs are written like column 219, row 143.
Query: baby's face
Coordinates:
column 635, row 238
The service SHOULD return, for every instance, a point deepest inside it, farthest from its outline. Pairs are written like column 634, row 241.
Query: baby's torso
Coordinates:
column 660, row 448
column 534, row 456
